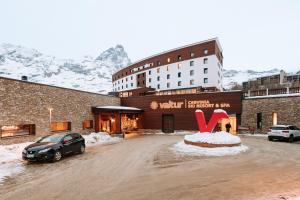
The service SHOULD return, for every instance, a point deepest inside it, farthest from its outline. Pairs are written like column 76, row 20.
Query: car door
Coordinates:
column 67, row 144
column 76, row 142
column 297, row 131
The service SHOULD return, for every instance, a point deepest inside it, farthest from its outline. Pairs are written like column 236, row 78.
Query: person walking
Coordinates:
column 228, row 127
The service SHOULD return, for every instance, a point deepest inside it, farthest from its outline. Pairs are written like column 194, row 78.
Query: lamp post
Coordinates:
column 50, row 116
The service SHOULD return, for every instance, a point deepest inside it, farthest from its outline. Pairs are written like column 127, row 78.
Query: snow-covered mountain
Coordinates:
column 85, row 74
column 88, row 73
column 233, row 77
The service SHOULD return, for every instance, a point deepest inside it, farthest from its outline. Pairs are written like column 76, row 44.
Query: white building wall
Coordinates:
column 214, row 75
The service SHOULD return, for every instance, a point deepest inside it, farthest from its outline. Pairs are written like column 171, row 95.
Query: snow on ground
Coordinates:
column 183, row 148
column 159, row 132
column 221, row 137
column 100, row 138
column 254, row 135
column 10, row 159
column 11, row 155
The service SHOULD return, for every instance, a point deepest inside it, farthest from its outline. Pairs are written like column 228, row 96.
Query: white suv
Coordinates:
column 287, row 132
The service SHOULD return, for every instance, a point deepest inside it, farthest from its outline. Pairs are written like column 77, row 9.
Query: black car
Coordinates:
column 54, row 147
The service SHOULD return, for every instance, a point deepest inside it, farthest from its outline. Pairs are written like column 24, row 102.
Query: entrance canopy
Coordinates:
column 119, row 109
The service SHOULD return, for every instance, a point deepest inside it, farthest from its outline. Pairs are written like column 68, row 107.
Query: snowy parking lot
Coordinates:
column 147, row 167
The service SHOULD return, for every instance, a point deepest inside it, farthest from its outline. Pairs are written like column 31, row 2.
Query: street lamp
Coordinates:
column 50, row 116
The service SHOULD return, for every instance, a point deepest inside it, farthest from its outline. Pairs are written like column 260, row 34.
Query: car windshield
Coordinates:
column 279, row 128
column 52, row 138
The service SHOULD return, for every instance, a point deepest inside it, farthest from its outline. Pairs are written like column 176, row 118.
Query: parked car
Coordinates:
column 54, row 147
column 284, row 132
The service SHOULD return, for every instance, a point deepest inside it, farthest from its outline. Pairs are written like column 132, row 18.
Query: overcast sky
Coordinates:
column 254, row 34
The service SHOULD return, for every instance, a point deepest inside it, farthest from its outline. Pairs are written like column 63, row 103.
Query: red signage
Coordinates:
column 216, row 116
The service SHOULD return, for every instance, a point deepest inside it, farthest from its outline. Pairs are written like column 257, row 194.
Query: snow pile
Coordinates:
column 181, row 147
column 221, row 137
column 10, row 159
column 100, row 138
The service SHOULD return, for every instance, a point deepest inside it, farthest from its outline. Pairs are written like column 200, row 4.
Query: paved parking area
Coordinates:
column 146, row 168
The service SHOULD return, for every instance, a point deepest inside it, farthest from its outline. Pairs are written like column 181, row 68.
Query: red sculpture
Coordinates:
column 216, row 116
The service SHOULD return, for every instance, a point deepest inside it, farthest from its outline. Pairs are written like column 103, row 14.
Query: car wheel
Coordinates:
column 270, row 138
column 57, row 156
column 291, row 139
column 82, row 149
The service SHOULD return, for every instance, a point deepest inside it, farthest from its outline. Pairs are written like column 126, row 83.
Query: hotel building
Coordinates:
column 198, row 65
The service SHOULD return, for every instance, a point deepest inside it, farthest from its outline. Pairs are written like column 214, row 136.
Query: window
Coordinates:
column 157, row 70
column 192, row 54
column 167, row 67
column 179, row 74
column 179, row 66
column 191, row 63
column 87, row 124
column 126, row 79
column 205, row 80
column 158, row 78
column 131, row 84
column 17, row 130
column 179, row 57
column 149, row 80
column 205, row 60
column 149, row 72
column 158, row 86
column 138, row 76
column 60, row 126
column 122, row 80
column 274, row 118
column 205, row 70
column 179, row 83
column 191, row 72
column 205, row 51
column 138, row 83
column 168, row 85
column 131, row 77
column 259, row 120
column 143, row 82
column 169, row 60
column 168, row 76
column 192, row 82
column 126, row 85
column 158, row 63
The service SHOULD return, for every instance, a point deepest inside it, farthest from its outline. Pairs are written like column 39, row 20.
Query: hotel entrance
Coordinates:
column 232, row 121
column 117, row 119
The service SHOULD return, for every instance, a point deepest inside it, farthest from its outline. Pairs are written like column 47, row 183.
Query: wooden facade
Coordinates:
column 158, row 108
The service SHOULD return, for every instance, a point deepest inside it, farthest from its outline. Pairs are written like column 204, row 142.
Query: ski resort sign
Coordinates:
column 154, row 105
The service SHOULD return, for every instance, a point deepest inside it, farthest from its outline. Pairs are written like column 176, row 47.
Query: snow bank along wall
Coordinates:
column 262, row 113
column 29, row 110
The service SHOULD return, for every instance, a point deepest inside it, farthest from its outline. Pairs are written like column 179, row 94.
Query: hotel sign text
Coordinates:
column 187, row 104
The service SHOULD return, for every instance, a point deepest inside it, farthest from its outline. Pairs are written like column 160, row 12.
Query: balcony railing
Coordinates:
column 267, row 92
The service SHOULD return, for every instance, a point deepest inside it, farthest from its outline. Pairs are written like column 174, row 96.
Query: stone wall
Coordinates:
column 29, row 103
column 287, row 109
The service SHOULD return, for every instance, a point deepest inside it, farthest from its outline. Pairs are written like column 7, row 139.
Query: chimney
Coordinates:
column 24, row 78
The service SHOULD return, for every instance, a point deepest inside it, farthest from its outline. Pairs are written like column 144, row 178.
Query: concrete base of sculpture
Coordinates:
column 208, row 145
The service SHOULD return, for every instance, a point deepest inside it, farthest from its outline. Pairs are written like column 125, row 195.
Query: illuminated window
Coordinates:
column 192, row 54
column 60, row 126
column 205, row 51
column 179, row 66
column 179, row 57
column 17, row 130
column 274, row 118
column 87, row 124
column 169, row 60
column 158, row 63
